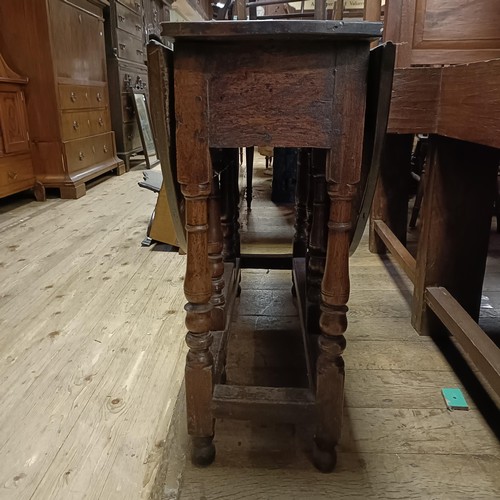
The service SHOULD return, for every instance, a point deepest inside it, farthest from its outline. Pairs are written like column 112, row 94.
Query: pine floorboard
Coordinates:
column 91, row 344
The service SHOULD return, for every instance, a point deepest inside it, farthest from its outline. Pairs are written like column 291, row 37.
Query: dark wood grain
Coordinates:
column 277, row 84
column 272, row 29
column 452, row 249
column 469, row 106
column 415, row 101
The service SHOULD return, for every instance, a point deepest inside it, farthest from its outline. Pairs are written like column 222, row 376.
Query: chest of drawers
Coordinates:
column 62, row 51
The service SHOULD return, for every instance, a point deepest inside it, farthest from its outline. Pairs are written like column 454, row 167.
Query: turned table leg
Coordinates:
column 333, row 323
column 317, row 238
column 198, row 291
column 215, row 256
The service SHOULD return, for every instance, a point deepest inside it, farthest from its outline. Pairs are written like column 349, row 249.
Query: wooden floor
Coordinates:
column 91, row 344
column 92, row 357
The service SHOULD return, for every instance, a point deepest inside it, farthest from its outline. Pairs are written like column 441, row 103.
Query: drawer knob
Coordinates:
column 99, row 96
column 76, row 125
column 81, row 156
column 139, row 52
column 73, row 96
column 105, row 148
column 122, row 46
column 121, row 18
column 12, row 175
column 138, row 27
column 101, row 122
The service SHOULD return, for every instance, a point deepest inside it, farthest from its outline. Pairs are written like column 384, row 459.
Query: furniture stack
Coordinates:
column 129, row 26
column 59, row 46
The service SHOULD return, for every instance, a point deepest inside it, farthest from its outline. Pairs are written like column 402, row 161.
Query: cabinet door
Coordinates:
column 13, row 122
column 78, row 40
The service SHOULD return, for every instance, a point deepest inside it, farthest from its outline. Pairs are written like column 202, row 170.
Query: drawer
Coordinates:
column 83, row 153
column 75, row 125
column 128, row 21
column 74, row 96
column 131, row 136
column 15, row 169
column 79, row 154
column 80, row 124
column 98, row 96
column 132, row 78
column 129, row 47
column 99, row 121
column 103, row 147
column 135, row 5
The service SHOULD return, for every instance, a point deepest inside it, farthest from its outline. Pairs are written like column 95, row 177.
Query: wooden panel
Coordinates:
column 415, row 100
column 459, row 101
column 13, row 123
column 443, row 31
column 470, row 102
column 303, row 95
column 457, row 24
column 77, row 36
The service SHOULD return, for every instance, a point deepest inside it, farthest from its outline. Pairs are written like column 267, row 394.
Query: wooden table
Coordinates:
column 265, row 83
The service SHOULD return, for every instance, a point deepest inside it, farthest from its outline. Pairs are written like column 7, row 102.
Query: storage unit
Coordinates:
column 16, row 168
column 59, row 45
column 126, row 71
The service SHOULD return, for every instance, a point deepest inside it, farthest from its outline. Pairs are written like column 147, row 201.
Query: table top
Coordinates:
column 271, row 30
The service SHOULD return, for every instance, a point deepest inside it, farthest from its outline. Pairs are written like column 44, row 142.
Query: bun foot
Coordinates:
column 203, row 452
column 324, row 460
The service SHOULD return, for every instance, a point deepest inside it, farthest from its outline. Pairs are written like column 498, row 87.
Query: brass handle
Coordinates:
column 12, row 175
column 99, row 96
column 122, row 46
column 138, row 27
column 73, row 97
column 137, row 4
column 101, row 122
column 140, row 52
column 76, row 125
column 105, row 148
column 81, row 156
column 121, row 18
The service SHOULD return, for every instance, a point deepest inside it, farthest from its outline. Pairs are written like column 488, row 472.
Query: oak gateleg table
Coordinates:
column 265, row 83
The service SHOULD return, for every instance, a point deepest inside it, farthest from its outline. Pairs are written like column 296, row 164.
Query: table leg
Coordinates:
column 317, row 238
column 230, row 199
column 249, row 157
column 390, row 202
column 301, row 190
column 455, row 226
column 198, row 291
column 215, row 256
column 335, row 289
